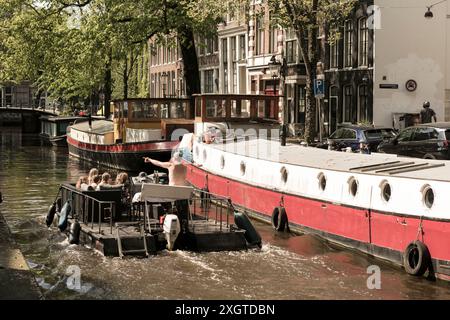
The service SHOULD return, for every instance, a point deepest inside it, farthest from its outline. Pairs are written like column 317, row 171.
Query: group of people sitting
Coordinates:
column 95, row 181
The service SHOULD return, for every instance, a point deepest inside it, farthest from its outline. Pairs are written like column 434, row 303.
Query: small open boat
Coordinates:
column 53, row 129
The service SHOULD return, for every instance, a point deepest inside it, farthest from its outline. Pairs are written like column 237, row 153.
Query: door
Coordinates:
column 423, row 143
column 333, row 109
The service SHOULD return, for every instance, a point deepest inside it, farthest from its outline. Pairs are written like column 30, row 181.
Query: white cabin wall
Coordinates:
column 406, row 196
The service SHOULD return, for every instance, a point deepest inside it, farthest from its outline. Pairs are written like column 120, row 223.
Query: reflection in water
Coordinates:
column 287, row 267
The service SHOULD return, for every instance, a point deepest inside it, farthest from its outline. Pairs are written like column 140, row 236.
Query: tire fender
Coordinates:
column 416, row 258
column 279, row 219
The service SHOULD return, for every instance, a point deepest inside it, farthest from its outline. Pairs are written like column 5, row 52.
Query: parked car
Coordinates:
column 428, row 141
column 350, row 135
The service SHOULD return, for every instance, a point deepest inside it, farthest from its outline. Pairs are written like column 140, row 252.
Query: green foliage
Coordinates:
column 65, row 46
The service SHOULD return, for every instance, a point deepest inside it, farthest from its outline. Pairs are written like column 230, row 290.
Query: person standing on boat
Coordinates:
column 177, row 177
column 177, row 171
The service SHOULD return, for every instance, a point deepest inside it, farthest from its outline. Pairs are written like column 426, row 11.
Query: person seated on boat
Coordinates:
column 106, row 177
column 92, row 174
column 95, row 181
column 82, row 183
column 177, row 171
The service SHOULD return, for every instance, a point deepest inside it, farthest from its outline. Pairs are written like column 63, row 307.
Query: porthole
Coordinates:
column 222, row 162
column 205, row 155
column 428, row 196
column 243, row 168
column 385, row 191
column 353, row 186
column 284, row 174
column 322, row 181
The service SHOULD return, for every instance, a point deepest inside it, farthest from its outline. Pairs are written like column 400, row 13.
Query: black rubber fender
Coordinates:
column 50, row 215
column 279, row 219
column 74, row 233
column 416, row 258
column 59, row 205
column 251, row 235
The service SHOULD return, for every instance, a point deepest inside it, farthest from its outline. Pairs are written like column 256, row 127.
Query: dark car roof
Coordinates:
column 363, row 127
column 439, row 125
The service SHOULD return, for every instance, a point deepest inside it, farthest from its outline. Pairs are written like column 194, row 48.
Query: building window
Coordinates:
column 334, row 117
column 210, row 45
column 216, row 44
column 209, row 81
column 291, row 51
column 334, row 55
column 242, row 54
column 301, row 104
column 273, row 40
column 233, row 49
column 363, row 42
column 8, row 97
column 363, row 97
column 348, row 104
column 291, row 46
column 225, row 64
column 348, row 43
column 259, row 35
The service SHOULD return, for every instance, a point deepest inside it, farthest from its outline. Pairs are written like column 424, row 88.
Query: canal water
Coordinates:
column 287, row 267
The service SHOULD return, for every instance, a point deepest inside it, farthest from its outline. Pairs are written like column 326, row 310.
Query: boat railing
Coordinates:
column 89, row 210
column 215, row 210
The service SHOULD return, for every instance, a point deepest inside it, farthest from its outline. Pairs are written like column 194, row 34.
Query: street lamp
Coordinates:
column 278, row 70
column 429, row 14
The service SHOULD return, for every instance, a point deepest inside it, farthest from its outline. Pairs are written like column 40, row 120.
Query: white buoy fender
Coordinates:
column 64, row 215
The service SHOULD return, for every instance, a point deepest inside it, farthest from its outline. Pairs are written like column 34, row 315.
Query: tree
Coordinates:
column 309, row 19
column 72, row 48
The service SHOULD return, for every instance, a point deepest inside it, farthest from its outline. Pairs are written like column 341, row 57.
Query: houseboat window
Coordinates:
column 353, row 186
column 243, row 168
column 197, row 151
column 222, row 162
column 322, row 181
column 215, row 108
column 284, row 174
column 205, row 155
column 385, row 191
column 428, row 196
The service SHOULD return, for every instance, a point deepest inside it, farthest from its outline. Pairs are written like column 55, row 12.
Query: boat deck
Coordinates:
column 375, row 163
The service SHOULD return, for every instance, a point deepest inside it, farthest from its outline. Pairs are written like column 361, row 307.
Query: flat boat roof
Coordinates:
column 376, row 163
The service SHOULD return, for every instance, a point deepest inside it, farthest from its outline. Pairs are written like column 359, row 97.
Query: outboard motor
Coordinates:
column 171, row 228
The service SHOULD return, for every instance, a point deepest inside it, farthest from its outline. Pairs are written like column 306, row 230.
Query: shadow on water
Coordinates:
column 287, row 267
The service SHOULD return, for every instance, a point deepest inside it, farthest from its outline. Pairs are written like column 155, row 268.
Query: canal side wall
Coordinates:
column 16, row 279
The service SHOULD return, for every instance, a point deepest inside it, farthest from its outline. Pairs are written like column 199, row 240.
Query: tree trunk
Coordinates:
column 189, row 55
column 108, row 86
column 125, row 79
